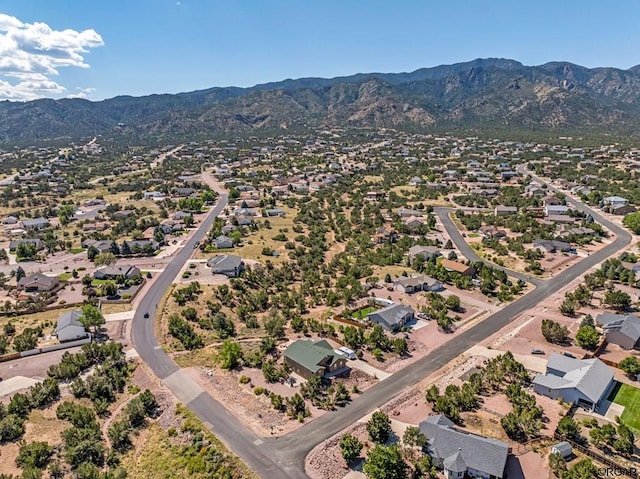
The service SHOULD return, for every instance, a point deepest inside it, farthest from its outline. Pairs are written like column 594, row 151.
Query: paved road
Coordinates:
column 467, row 251
column 284, row 457
column 259, row 456
column 300, row 442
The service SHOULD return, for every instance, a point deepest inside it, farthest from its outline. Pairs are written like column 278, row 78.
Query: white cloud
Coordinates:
column 82, row 93
column 32, row 53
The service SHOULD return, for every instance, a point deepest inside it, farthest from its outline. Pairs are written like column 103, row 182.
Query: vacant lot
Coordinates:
column 629, row 397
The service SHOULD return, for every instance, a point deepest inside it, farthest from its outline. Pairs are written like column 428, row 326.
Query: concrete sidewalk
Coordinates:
column 11, row 385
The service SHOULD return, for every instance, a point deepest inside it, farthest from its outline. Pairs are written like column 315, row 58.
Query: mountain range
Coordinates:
column 488, row 94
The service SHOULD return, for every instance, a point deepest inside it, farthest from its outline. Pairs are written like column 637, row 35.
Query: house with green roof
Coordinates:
column 314, row 358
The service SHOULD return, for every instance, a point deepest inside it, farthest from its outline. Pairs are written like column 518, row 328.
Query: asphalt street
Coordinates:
column 284, row 457
column 300, row 442
column 467, row 251
column 262, row 458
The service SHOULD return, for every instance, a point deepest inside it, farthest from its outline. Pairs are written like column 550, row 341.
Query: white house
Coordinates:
column 69, row 327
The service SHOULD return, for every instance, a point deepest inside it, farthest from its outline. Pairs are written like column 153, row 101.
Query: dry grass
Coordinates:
column 34, row 320
column 110, row 308
column 157, row 455
column 264, row 238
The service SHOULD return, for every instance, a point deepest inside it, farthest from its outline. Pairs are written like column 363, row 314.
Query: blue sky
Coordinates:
column 102, row 48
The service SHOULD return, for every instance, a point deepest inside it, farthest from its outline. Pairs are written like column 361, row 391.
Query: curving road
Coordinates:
column 284, row 457
column 467, row 251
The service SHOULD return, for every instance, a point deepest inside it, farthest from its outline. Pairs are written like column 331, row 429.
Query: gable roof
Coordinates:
column 70, row 318
column 627, row 325
column 455, row 266
column 591, row 377
column 47, row 281
column 224, row 262
column 456, row 448
column 313, row 356
column 393, row 314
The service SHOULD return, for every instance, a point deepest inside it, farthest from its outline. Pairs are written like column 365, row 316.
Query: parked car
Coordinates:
column 537, row 351
column 569, row 355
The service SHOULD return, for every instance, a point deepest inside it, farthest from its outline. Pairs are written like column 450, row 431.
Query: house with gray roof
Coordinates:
column 35, row 223
column 417, row 283
column 228, row 264
column 392, row 317
column 585, row 382
column 552, row 246
column 462, row 454
column 223, row 242
column 425, row 252
column 69, row 327
column 115, row 271
column 37, row 242
column 38, row 283
column 314, row 358
column 620, row 329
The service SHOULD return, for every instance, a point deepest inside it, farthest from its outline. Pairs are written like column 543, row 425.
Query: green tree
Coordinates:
column 453, row 302
column 568, row 427
column 230, row 354
column 587, row 337
column 104, row 259
column 632, row 221
column 631, row 366
column 91, row 317
column 350, row 447
column 385, row 462
column 554, row 332
column 34, row 455
column 379, row 427
column 617, row 299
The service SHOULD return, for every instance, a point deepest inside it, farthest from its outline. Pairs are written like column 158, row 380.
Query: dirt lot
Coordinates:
column 256, row 411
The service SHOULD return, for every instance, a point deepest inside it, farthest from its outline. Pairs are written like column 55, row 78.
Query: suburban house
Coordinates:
column 491, row 232
column 552, row 246
column 550, row 210
column 621, row 210
column 585, row 382
column 274, row 212
column 140, row 246
column 620, row 329
column 392, row 317
column 424, row 252
column 385, row 234
column 405, row 212
column 461, row 454
column 457, row 267
column 417, row 283
column 227, row 264
column 38, row 283
column 505, row 210
column 37, row 242
column 114, row 272
column 69, row 327
column 181, row 215
column 614, row 201
column 314, row 358
column 35, row 224
column 413, row 222
column 223, row 242
column 103, row 246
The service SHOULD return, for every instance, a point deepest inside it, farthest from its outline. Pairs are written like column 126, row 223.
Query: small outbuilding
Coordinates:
column 563, row 448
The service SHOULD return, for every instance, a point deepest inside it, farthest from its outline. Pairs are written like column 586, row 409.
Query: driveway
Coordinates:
column 367, row 368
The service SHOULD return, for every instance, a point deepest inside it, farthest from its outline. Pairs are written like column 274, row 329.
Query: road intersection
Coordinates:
column 285, row 456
